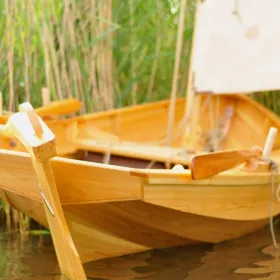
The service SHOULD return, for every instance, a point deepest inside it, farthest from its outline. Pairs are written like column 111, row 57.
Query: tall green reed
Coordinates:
column 97, row 51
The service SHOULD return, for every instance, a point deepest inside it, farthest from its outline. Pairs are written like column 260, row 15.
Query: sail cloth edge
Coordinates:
column 237, row 47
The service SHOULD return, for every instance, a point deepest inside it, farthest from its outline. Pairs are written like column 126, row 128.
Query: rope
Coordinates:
column 150, row 165
column 274, row 171
column 107, row 155
column 218, row 108
column 213, row 139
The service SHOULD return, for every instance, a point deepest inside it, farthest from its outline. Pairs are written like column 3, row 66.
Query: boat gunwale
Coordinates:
column 113, row 112
column 152, row 176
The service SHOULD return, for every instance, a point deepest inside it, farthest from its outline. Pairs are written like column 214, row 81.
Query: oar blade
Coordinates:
column 60, row 107
column 204, row 166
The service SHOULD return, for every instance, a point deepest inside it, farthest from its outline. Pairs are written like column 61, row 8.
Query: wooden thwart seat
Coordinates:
column 137, row 150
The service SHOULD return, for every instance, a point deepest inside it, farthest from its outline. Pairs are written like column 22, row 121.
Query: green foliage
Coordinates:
column 67, row 45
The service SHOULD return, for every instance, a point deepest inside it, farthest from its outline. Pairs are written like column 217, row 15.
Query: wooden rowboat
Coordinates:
column 107, row 210
column 97, row 210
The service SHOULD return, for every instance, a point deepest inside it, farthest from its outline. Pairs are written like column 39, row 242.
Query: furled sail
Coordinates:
column 237, row 46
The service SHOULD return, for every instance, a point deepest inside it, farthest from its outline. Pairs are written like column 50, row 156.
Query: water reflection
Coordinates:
column 271, row 267
column 249, row 257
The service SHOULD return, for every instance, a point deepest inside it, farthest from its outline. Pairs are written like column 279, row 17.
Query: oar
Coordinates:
column 55, row 108
column 60, row 107
column 204, row 166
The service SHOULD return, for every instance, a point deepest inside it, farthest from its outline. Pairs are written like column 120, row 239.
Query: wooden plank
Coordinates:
column 136, row 150
column 232, row 177
column 93, row 182
column 229, row 202
column 150, row 120
column 162, row 174
column 65, row 136
column 17, row 174
column 77, row 182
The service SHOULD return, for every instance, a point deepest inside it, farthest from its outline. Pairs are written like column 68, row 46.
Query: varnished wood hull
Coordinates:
column 113, row 211
column 105, row 230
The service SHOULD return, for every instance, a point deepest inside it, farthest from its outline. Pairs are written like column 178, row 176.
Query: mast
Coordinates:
column 176, row 72
column 192, row 106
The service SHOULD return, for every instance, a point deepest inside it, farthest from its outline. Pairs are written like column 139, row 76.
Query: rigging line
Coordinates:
column 274, row 172
column 213, row 140
column 274, row 169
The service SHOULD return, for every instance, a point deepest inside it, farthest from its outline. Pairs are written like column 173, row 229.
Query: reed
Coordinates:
column 97, row 51
column 11, row 219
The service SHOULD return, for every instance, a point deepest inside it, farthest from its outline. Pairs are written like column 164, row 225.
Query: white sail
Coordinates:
column 237, row 46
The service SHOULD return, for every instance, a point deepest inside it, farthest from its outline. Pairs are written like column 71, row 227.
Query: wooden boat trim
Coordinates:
column 86, row 186
column 117, row 112
column 231, row 177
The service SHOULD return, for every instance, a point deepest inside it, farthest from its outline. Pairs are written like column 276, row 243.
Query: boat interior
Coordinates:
column 135, row 136
column 97, row 211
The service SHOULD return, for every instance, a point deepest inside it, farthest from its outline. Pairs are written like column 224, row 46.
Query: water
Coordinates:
column 249, row 257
